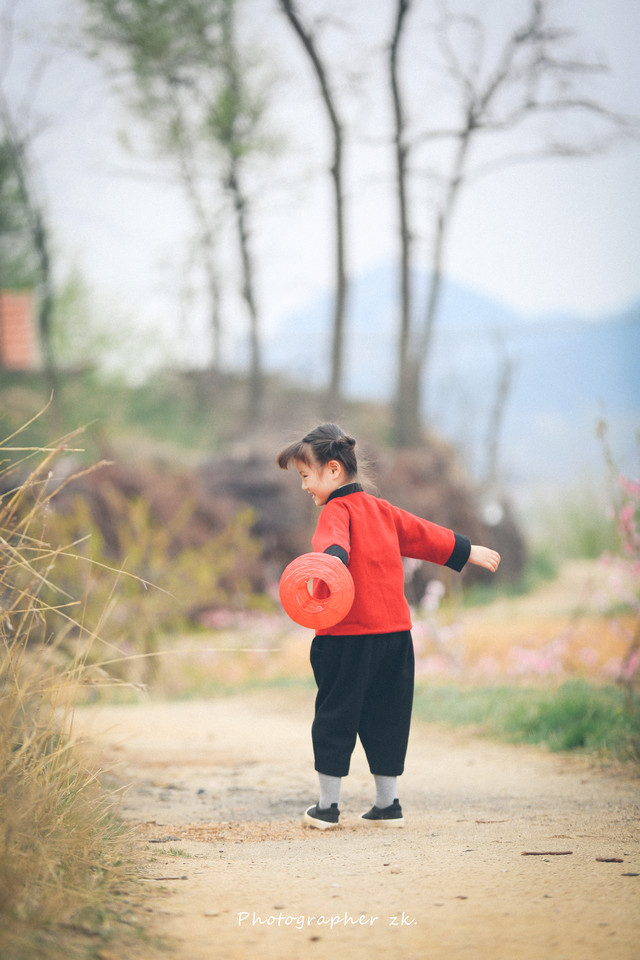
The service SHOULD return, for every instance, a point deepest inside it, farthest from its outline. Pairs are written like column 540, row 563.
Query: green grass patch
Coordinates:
column 573, row 716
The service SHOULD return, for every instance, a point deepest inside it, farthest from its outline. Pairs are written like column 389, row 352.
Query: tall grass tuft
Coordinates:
column 61, row 846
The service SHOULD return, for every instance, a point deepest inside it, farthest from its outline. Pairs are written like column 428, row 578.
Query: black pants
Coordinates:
column 365, row 689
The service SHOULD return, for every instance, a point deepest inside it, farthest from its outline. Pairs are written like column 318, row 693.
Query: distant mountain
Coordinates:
column 568, row 373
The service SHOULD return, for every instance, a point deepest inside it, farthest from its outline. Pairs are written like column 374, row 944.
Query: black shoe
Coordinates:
column 322, row 819
column 390, row 816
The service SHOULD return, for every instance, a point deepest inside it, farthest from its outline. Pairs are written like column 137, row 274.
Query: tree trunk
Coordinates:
column 496, row 420
column 402, row 413
column 256, row 378
column 215, row 321
column 338, row 326
column 233, row 144
column 408, row 418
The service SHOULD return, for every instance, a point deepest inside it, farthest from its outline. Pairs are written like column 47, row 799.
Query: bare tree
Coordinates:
column 500, row 89
column 191, row 84
column 232, row 120
column 402, row 405
column 308, row 41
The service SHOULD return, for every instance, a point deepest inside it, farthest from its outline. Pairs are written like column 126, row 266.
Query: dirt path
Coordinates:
column 217, row 789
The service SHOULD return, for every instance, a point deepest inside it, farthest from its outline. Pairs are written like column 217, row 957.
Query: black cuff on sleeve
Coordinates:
column 460, row 553
column 335, row 551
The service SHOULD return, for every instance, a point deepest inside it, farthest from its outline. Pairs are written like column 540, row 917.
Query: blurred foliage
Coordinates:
column 18, row 261
column 162, row 585
column 134, row 560
column 84, row 331
column 541, row 566
column 179, row 412
column 576, row 523
column 172, row 415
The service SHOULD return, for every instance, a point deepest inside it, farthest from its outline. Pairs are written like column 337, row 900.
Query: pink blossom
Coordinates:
column 436, row 665
column 487, row 666
column 613, row 668
column 632, row 487
column 630, row 668
column 546, row 661
column 588, row 656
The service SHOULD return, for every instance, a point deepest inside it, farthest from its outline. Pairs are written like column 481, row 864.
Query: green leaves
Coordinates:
column 18, row 260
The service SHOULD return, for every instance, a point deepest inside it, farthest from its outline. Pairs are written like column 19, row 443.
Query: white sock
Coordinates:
column 386, row 791
column 329, row 790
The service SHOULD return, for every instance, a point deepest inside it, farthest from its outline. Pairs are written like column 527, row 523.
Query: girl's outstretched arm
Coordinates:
column 484, row 557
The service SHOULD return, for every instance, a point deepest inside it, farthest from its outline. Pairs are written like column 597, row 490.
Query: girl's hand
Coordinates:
column 484, row 557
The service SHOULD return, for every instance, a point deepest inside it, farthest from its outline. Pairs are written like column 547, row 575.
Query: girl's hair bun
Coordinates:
column 326, row 442
column 342, row 447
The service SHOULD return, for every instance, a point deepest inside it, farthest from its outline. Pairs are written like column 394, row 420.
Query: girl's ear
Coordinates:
column 334, row 467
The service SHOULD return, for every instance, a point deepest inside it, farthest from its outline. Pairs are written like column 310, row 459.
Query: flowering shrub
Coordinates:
column 621, row 570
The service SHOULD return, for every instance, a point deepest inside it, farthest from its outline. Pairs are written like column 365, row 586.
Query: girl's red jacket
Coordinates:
column 371, row 536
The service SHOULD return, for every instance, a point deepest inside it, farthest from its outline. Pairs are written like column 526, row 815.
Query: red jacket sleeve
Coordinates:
column 424, row 540
column 333, row 529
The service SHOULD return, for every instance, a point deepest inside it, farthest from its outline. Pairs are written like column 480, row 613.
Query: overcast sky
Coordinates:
column 545, row 238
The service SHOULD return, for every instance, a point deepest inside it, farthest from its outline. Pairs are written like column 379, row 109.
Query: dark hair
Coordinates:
column 324, row 443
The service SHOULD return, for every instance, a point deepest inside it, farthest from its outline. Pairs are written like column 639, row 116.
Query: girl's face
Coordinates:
column 320, row 480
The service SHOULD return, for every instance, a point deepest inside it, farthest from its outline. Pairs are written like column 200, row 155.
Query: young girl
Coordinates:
column 364, row 665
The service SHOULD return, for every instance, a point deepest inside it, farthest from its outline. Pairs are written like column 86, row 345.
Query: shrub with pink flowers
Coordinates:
column 621, row 569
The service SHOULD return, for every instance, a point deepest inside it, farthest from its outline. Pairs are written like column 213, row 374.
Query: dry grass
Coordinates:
column 62, row 872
